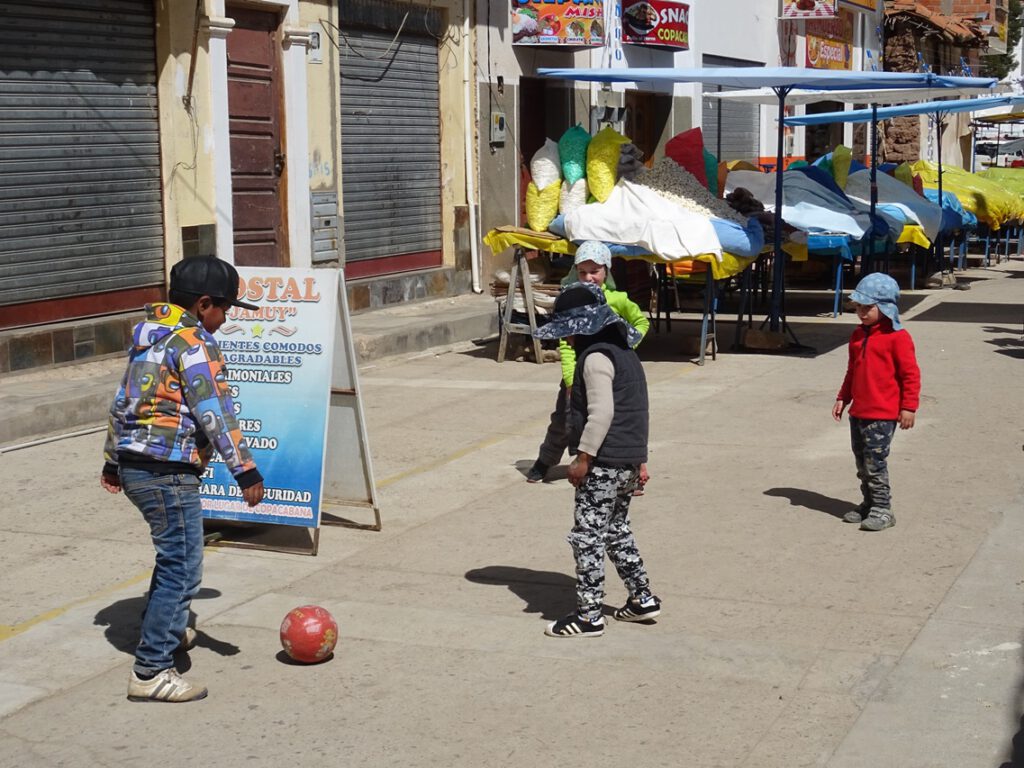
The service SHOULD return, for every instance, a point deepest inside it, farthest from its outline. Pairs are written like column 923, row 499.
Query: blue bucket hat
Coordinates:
column 881, row 290
column 595, row 251
column 581, row 309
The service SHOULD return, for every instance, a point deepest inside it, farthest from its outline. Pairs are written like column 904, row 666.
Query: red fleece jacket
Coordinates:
column 882, row 377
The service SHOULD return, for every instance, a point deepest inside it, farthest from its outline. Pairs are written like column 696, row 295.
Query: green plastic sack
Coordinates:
column 904, row 174
column 841, row 159
column 711, row 172
column 541, row 206
column 572, row 151
column 603, row 155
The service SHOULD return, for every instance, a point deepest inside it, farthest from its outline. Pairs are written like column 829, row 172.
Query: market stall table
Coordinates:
column 524, row 240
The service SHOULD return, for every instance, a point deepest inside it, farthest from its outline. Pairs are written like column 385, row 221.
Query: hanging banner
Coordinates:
column 830, row 42
column 656, row 22
column 558, row 22
column 862, row 5
column 823, row 53
column 279, row 363
column 808, row 9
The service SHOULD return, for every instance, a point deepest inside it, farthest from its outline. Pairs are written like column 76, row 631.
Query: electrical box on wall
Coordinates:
column 498, row 128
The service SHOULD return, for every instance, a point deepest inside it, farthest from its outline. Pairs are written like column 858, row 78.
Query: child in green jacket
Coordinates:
column 593, row 260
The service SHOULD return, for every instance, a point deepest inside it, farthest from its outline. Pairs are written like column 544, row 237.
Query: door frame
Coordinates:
column 294, row 191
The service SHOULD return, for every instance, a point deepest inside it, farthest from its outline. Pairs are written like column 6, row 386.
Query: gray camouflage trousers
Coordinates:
column 870, row 439
column 602, row 526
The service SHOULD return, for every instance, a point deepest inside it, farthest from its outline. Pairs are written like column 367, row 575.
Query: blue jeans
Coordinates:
column 170, row 505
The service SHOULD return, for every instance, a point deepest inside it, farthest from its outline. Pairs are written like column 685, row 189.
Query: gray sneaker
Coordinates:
column 854, row 516
column 878, row 521
column 168, row 686
column 188, row 640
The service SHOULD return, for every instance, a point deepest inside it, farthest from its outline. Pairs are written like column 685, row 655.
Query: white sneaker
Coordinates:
column 168, row 685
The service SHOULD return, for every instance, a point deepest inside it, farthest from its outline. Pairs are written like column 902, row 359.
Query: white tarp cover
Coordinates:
column 806, row 204
column 635, row 215
column 896, row 193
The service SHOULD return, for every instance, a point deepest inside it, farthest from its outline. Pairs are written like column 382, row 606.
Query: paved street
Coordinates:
column 788, row 638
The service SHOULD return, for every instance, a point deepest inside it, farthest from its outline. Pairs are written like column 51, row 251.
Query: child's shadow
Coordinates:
column 813, row 500
column 556, row 473
column 123, row 622
column 546, row 593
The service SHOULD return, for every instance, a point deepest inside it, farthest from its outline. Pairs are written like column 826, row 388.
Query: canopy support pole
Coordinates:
column 939, row 116
column 869, row 255
column 776, row 314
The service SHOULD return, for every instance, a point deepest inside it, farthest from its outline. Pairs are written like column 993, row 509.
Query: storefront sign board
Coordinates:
column 656, row 22
column 558, row 22
column 279, row 372
column 808, row 9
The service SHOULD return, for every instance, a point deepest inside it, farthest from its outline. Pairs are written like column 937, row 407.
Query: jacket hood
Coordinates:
column 161, row 321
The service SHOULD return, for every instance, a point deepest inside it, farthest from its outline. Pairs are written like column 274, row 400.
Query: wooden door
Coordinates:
column 257, row 158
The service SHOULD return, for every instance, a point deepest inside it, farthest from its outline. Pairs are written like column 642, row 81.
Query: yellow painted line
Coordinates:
column 7, row 631
column 479, row 446
column 447, row 459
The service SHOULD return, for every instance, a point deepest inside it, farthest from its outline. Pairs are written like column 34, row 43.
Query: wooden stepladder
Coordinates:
column 520, row 273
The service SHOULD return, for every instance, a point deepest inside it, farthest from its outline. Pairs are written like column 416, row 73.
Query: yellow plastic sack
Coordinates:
column 841, row 159
column 603, row 154
column 992, row 203
column 541, row 206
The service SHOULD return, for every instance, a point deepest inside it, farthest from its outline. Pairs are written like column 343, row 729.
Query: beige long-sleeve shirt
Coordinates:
column 598, row 373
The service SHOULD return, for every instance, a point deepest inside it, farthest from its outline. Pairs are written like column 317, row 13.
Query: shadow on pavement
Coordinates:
column 798, row 497
column 123, row 621
column 546, row 593
column 973, row 312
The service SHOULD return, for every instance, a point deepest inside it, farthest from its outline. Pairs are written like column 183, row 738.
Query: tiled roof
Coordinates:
column 956, row 28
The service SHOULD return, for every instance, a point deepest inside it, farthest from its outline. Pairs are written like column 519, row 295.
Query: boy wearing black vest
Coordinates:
column 608, row 425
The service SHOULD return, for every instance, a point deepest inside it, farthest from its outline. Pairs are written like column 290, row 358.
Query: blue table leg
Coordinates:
column 988, row 245
column 837, row 266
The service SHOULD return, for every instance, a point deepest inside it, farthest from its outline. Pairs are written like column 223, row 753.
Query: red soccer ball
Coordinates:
column 309, row 634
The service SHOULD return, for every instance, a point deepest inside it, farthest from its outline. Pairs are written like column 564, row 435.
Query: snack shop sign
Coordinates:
column 557, row 22
column 656, row 22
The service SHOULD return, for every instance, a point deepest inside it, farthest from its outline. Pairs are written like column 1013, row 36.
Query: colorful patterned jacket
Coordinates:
column 173, row 404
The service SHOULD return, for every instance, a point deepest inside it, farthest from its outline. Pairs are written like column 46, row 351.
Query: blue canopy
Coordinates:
column 884, row 113
column 787, row 78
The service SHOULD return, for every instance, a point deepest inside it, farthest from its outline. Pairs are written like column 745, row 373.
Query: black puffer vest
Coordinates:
column 626, row 442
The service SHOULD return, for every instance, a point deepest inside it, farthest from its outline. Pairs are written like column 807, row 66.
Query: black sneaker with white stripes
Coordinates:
column 636, row 610
column 573, row 626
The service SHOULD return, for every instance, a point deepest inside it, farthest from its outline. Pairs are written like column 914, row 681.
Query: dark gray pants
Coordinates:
column 870, row 439
column 602, row 527
column 556, row 439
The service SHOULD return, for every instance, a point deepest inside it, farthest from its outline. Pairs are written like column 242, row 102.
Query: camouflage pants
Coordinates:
column 871, row 439
column 602, row 526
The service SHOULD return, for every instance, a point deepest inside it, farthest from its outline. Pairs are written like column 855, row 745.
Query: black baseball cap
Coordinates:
column 208, row 276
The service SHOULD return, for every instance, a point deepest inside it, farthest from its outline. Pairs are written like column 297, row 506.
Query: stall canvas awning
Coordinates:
column 904, row 110
column 781, row 78
column 886, row 96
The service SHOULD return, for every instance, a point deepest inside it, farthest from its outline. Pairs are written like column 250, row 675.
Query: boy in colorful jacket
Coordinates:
column 884, row 384
column 592, row 262
column 172, row 410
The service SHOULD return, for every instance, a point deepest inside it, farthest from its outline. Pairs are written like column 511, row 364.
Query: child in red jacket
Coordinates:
column 884, row 384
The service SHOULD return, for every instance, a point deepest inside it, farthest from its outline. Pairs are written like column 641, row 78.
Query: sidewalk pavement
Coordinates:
column 788, row 638
column 69, row 398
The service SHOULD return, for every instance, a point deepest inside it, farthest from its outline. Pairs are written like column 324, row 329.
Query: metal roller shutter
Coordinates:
column 731, row 130
column 390, row 143
column 80, row 191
